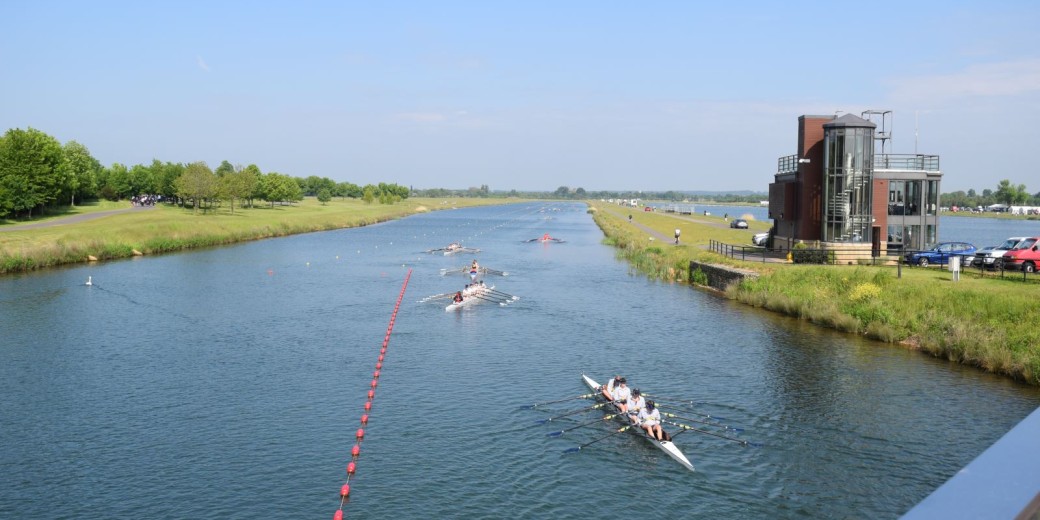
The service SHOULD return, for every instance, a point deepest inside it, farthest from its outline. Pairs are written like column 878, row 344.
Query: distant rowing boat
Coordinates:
column 665, row 446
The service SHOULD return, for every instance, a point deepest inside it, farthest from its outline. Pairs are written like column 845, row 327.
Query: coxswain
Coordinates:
column 458, row 297
column 635, row 404
column 546, row 237
column 475, row 265
column 650, row 420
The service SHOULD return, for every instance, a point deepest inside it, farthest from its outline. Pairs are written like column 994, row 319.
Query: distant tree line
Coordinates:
column 38, row 173
column 567, row 193
column 1006, row 193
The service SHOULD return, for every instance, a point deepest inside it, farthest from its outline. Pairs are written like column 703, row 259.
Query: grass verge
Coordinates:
column 984, row 322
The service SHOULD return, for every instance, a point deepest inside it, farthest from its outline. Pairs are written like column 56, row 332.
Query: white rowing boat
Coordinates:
column 470, row 295
column 665, row 446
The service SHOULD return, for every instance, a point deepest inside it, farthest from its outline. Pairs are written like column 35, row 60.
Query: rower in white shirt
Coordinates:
column 620, row 395
column 650, row 420
column 635, row 404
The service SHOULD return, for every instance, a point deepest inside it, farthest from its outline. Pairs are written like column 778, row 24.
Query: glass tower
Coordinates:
column 848, row 157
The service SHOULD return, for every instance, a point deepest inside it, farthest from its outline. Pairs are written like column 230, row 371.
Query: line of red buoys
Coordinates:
column 355, row 452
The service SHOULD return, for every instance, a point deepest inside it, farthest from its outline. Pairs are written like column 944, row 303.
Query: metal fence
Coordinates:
column 859, row 256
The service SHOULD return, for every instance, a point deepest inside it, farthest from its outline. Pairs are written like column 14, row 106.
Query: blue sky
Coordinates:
column 529, row 95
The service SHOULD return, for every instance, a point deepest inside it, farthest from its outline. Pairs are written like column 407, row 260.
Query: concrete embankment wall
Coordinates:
column 721, row 276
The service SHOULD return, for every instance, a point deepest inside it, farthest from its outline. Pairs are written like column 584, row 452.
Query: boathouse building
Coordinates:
column 840, row 192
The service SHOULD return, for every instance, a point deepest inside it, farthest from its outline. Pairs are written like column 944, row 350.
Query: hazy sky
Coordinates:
column 531, row 95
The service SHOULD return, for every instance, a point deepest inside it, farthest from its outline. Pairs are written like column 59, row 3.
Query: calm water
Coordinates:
column 229, row 383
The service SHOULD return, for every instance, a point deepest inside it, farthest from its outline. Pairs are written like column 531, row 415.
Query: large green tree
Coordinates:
column 30, row 171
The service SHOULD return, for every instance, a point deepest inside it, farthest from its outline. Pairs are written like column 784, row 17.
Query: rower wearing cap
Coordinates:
column 620, row 394
column 650, row 420
column 635, row 404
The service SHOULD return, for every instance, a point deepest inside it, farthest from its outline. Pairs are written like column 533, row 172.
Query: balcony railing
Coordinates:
column 906, row 162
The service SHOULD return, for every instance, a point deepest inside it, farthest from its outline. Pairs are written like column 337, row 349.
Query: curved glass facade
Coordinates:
column 848, row 156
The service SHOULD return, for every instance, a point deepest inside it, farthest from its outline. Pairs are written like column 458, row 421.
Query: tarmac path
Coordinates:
column 73, row 219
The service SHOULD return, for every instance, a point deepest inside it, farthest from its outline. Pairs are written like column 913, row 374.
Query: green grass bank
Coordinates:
column 989, row 323
column 164, row 229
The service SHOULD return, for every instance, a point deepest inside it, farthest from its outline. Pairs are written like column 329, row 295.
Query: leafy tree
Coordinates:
column 369, row 193
column 224, row 169
column 30, row 170
column 348, row 189
column 280, row 188
column 116, row 182
column 254, row 181
column 79, row 172
column 197, row 183
column 237, row 184
column 580, row 193
column 165, row 176
column 562, row 192
column 324, row 196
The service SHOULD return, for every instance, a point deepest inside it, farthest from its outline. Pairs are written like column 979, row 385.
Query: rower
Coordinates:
column 608, row 389
column 620, row 395
column 635, row 404
column 475, row 265
column 458, row 297
column 650, row 420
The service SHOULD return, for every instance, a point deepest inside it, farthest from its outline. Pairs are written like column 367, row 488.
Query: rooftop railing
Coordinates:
column 914, row 162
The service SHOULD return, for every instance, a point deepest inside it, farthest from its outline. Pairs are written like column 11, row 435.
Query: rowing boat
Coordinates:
column 666, row 446
column 470, row 294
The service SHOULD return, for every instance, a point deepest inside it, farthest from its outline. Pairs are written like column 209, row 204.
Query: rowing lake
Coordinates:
column 229, row 383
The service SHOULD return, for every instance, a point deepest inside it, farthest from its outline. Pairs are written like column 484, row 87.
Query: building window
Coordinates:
column 848, row 173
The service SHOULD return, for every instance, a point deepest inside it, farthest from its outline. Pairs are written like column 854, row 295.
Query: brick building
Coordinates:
column 837, row 192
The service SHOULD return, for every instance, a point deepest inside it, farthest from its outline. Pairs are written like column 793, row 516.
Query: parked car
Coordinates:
column 992, row 257
column 1024, row 256
column 738, row 223
column 940, row 253
column 760, row 239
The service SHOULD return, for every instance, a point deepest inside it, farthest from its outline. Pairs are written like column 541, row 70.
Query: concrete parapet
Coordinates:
column 721, row 276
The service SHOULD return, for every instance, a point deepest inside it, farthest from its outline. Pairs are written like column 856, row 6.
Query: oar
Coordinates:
column 535, row 405
column 436, row 297
column 507, row 296
column 685, row 402
column 568, row 414
column 709, row 423
column 587, row 444
column 686, row 427
column 561, row 432
column 479, row 297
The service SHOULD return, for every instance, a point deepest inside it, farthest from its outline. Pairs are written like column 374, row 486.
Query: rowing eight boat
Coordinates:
column 665, row 446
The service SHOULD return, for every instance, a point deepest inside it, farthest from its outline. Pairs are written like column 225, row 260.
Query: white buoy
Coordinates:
column 90, row 281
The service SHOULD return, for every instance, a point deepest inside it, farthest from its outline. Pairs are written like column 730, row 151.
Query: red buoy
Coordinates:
column 338, row 515
column 355, row 451
column 381, row 357
column 364, row 419
column 379, row 365
column 375, row 382
column 382, row 351
column 360, row 433
column 351, row 468
column 368, row 406
column 371, row 394
column 345, row 490
column 376, row 373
